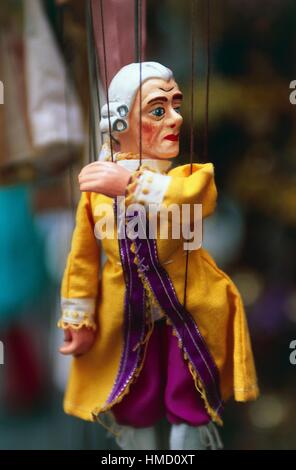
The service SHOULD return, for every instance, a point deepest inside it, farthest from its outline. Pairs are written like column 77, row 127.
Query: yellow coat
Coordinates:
column 212, row 300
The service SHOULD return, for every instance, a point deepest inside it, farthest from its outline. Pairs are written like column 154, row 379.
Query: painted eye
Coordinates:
column 158, row 112
column 178, row 109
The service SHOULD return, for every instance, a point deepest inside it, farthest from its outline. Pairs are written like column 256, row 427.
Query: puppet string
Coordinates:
column 208, row 70
column 105, row 75
column 193, row 22
column 92, row 83
column 95, row 61
column 139, row 45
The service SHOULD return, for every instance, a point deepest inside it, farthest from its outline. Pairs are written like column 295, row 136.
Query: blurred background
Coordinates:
column 52, row 69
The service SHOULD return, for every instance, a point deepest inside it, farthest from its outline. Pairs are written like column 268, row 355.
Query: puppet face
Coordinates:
column 161, row 120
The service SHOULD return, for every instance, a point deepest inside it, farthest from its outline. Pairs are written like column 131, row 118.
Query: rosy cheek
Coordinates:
column 149, row 132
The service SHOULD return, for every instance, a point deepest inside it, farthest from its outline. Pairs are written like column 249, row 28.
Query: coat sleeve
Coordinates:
column 180, row 186
column 79, row 289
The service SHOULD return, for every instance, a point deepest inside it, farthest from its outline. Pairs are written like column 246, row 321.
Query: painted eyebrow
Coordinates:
column 158, row 98
column 177, row 96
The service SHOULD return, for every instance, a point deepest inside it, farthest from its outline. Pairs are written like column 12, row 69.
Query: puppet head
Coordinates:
column 159, row 103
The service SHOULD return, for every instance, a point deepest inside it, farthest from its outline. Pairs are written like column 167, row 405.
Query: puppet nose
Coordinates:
column 175, row 119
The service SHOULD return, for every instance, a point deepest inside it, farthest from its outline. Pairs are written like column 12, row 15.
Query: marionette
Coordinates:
column 141, row 351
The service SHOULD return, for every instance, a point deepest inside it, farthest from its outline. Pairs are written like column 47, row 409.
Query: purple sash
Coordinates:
column 134, row 321
column 135, row 326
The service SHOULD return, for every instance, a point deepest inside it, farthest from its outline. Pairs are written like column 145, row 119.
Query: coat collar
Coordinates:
column 161, row 166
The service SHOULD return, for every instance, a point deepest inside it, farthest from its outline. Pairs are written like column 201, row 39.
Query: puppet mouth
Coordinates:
column 172, row 137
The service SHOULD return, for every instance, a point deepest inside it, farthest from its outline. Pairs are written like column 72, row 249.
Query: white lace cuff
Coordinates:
column 77, row 313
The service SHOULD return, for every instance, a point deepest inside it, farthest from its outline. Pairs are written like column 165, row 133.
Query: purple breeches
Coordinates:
column 164, row 388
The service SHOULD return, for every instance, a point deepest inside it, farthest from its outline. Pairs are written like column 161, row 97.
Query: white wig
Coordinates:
column 123, row 89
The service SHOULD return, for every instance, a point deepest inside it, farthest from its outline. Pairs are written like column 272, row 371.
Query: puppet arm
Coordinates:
column 81, row 277
column 178, row 187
